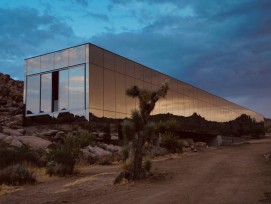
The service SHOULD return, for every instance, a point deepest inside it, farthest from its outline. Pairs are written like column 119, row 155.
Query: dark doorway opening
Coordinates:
column 55, row 90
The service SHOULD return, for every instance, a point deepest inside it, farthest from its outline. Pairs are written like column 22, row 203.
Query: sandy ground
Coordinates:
column 235, row 174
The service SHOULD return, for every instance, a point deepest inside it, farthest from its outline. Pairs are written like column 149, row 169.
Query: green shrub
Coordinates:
column 61, row 161
column 10, row 155
column 125, row 153
column 16, row 175
column 85, row 139
column 170, row 142
column 147, row 165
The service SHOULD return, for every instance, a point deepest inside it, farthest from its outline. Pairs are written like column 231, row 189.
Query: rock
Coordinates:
column 8, row 139
column 34, row 142
column 15, row 143
column 12, row 132
column 50, row 132
column 159, row 151
column 22, row 131
column 99, row 151
column 111, row 148
column 201, row 145
column 185, row 143
column 59, row 137
column 86, row 154
column 2, row 136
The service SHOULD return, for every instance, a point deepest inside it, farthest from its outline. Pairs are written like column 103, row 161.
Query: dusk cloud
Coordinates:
column 221, row 46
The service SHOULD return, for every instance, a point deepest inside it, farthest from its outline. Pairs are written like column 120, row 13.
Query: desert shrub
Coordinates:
column 166, row 126
column 147, row 165
column 10, row 155
column 104, row 160
column 170, row 142
column 61, row 161
column 16, row 175
column 125, row 153
column 85, row 139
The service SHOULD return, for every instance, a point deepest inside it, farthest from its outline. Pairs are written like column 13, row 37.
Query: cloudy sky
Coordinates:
column 223, row 47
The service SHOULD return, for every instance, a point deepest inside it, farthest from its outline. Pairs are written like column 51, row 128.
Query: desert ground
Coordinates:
column 230, row 174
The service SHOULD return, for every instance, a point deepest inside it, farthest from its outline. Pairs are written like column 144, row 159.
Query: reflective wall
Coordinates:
column 88, row 79
column 110, row 75
column 57, row 82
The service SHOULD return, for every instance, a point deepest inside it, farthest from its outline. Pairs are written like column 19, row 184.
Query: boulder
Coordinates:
column 16, row 143
column 111, row 148
column 98, row 151
column 34, row 142
column 12, row 132
column 86, row 154
column 185, row 143
column 2, row 136
column 50, row 132
column 22, row 131
column 201, row 145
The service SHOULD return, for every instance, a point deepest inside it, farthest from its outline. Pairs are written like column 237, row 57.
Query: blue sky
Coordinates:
column 223, row 47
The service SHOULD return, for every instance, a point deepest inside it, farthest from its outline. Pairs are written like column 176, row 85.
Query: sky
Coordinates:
column 223, row 47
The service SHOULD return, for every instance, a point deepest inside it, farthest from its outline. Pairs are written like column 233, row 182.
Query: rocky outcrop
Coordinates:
column 11, row 101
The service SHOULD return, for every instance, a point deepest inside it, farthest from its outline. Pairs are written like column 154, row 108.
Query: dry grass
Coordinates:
column 5, row 189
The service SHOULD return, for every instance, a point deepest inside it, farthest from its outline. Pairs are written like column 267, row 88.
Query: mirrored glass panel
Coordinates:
column 130, row 68
column 96, row 112
column 109, row 114
column 46, row 93
column 61, row 59
column 77, row 88
column 139, row 74
column 120, row 64
column 120, row 93
column 33, row 65
column 147, row 75
column 96, row 87
column 33, row 94
column 63, row 103
column 130, row 102
column 109, row 60
column 47, row 62
column 96, row 55
column 109, row 93
column 77, row 55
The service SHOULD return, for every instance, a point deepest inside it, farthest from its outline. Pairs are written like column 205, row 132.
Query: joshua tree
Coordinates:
column 139, row 129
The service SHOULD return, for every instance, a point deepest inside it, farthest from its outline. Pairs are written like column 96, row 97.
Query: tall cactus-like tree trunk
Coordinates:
column 137, row 166
column 136, row 130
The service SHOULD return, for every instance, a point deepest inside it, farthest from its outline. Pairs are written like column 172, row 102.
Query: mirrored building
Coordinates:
column 88, row 80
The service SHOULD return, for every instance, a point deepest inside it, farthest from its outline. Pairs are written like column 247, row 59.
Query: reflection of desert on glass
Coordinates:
column 87, row 79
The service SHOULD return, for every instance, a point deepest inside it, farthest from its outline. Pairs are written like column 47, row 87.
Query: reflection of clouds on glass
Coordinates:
column 46, row 92
column 63, row 90
column 32, row 94
column 61, row 58
column 77, row 87
column 47, row 62
column 77, row 78
column 33, row 65
column 77, row 55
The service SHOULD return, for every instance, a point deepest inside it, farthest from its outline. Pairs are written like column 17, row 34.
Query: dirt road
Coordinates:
column 236, row 174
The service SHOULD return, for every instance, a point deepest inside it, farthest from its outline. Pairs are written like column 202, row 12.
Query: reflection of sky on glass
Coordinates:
column 61, row 58
column 77, row 87
column 32, row 93
column 46, row 92
column 33, row 65
column 47, row 62
column 77, row 55
column 63, row 90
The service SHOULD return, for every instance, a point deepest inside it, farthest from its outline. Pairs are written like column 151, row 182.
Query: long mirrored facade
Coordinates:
column 88, row 80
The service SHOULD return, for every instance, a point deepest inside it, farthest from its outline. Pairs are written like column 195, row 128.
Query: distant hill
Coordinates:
column 11, row 101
